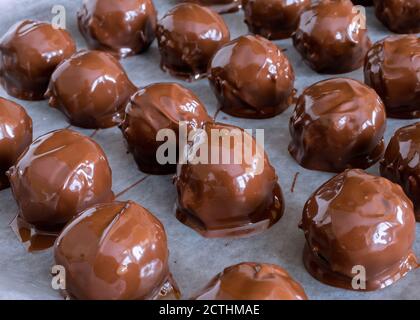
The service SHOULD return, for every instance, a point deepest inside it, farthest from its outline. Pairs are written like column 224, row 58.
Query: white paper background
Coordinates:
column 193, row 260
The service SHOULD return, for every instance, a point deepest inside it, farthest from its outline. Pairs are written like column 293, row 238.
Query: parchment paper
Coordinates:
column 193, row 259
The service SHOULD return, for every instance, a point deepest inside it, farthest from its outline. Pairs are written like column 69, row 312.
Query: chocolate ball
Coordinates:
column 220, row 6
column 273, row 19
column 29, row 53
column 400, row 16
column 359, row 224
column 252, row 281
column 332, row 37
column 188, row 36
column 154, row 108
column 401, row 163
column 15, row 136
column 122, row 28
column 91, row 88
column 252, row 78
column 337, row 124
column 115, row 251
column 392, row 68
column 60, row 174
column 227, row 191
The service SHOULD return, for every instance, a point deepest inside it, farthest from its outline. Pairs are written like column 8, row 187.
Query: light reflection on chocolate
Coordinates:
column 359, row 220
column 123, row 28
column 220, row 6
column 15, row 136
column 273, row 19
column 98, row 97
column 59, row 175
column 252, row 78
column 188, row 35
column 392, row 68
column 332, row 37
column 156, row 107
column 337, row 124
column 228, row 198
column 252, row 281
column 29, row 53
column 115, row 251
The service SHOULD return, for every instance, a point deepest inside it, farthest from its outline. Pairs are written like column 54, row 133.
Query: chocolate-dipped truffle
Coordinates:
column 122, row 28
column 220, row 6
column 392, row 68
column 252, row 78
column 61, row 173
column 401, row 163
column 358, row 223
column 153, row 108
column 29, row 53
column 400, row 16
column 232, row 194
column 252, row 281
column 15, row 136
column 91, row 88
column 337, row 124
column 273, row 19
column 115, row 251
column 188, row 36
column 332, row 37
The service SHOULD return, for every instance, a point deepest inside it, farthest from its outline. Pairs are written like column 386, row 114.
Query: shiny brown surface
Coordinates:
column 400, row 16
column 220, row 6
column 15, row 136
column 252, row 78
column 98, row 96
column 59, row 175
column 115, row 251
column 153, row 108
column 252, row 281
column 228, row 199
column 392, row 68
column 357, row 219
column 122, row 28
column 273, row 19
column 188, row 35
column 401, row 163
column 331, row 38
column 29, row 53
column 337, row 124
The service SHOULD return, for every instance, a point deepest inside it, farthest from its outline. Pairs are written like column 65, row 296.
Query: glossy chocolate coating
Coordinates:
column 401, row 163
column 122, row 28
column 337, row 124
column 91, row 88
column 357, row 219
column 61, row 173
column 331, row 37
column 392, row 68
column 228, row 199
column 252, row 78
column 252, row 281
column 15, row 136
column 400, row 16
column 188, row 36
column 153, row 108
column 29, row 53
column 220, row 6
column 115, row 251
column 273, row 19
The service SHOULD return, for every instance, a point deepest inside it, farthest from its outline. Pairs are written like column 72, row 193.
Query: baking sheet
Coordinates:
column 193, row 259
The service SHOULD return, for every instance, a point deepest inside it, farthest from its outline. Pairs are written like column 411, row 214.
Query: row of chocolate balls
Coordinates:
column 62, row 173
